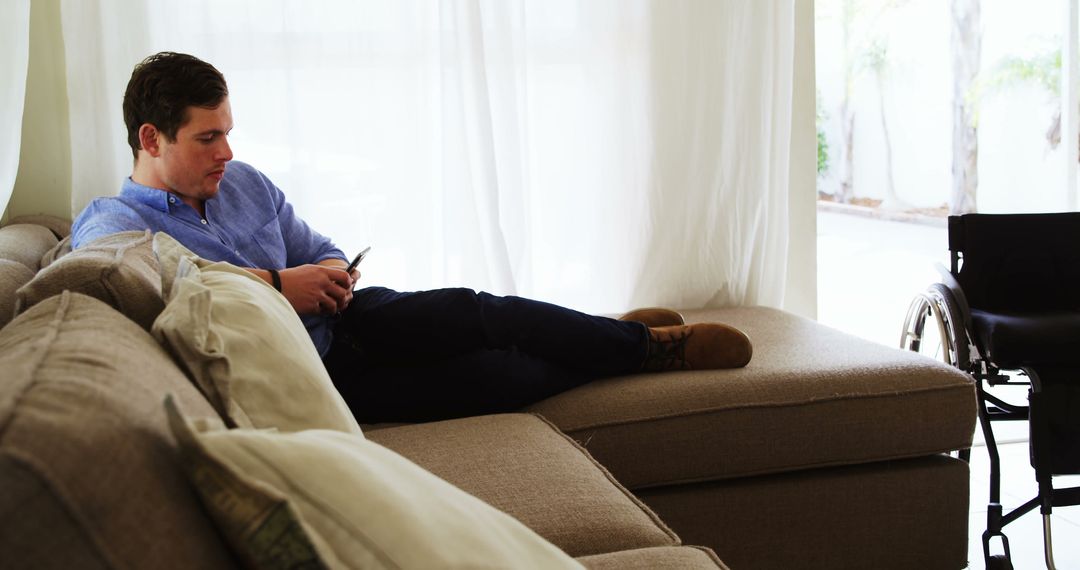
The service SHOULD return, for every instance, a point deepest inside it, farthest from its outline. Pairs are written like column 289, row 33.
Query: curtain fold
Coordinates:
column 721, row 121
column 14, row 58
column 596, row 154
column 103, row 40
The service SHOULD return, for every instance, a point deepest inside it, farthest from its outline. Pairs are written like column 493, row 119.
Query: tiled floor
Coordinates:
column 868, row 272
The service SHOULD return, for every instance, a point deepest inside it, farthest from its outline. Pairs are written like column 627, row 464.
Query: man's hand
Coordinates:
column 317, row 289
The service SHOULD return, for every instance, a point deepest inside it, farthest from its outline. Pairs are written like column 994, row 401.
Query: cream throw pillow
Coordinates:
column 320, row 497
column 248, row 351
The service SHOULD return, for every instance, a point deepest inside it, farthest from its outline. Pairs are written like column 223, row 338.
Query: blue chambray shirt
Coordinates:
column 248, row 223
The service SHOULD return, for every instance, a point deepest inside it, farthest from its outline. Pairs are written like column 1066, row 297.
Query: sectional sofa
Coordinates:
column 120, row 446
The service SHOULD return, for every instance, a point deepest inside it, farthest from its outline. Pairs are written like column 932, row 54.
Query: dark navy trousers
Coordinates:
column 445, row 353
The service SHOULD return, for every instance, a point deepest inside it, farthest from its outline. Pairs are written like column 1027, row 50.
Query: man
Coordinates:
column 394, row 356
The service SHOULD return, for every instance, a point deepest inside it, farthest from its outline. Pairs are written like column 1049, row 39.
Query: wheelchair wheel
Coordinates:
column 947, row 340
column 998, row 562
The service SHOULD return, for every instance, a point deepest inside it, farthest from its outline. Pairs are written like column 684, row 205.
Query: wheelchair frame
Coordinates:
column 946, row 303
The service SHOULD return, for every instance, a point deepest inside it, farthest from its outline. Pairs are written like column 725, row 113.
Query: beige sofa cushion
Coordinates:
column 60, row 227
column 36, row 530
column 169, row 253
column 244, row 344
column 119, row 269
column 659, row 558
column 13, row 275
column 26, row 243
column 323, row 497
column 81, row 426
column 811, row 397
column 56, row 252
column 523, row 466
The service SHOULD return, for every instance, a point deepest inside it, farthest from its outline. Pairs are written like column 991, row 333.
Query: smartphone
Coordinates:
column 356, row 260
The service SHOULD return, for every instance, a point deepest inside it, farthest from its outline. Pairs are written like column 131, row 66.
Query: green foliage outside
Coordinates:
column 1041, row 70
column 822, row 143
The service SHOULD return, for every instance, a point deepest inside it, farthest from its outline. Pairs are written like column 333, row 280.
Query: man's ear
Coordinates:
column 149, row 138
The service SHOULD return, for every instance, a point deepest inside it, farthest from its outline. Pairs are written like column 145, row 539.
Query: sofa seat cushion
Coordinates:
column 811, row 397
column 84, row 444
column 657, row 558
column 523, row 466
column 328, row 499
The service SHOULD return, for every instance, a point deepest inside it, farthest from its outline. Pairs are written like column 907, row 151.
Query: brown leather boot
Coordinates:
column 654, row 317
column 699, row 346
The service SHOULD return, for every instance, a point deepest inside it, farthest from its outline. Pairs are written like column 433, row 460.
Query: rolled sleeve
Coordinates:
column 303, row 244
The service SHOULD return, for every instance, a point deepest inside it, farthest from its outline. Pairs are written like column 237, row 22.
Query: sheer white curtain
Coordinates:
column 597, row 154
column 14, row 55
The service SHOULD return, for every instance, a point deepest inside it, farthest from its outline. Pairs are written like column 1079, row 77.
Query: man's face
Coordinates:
column 193, row 164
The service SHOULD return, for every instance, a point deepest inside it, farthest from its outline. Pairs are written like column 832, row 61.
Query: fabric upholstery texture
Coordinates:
column 56, row 252
column 13, row 275
column 26, row 243
column 811, row 397
column 36, row 530
column 657, row 558
column 895, row 514
column 522, row 465
column 364, row 506
column 169, row 253
column 60, row 227
column 120, row 270
column 249, row 352
column 83, row 417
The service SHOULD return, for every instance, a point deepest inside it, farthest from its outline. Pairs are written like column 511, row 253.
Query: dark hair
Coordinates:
column 161, row 89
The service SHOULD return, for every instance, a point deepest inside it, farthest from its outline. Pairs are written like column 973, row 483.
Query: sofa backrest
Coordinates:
column 88, row 466
column 21, row 248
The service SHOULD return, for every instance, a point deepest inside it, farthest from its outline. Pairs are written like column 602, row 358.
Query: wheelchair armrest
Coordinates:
column 949, row 280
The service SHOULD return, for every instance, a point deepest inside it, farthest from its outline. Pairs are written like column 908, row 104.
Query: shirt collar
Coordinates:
column 154, row 197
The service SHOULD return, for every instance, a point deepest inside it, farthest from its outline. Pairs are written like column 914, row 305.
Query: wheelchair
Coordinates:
column 1007, row 312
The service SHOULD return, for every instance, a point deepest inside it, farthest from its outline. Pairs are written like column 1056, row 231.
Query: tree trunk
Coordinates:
column 891, row 201
column 847, row 113
column 966, row 51
column 847, row 128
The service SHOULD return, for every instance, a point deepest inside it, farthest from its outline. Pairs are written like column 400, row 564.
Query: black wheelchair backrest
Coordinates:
column 1017, row 262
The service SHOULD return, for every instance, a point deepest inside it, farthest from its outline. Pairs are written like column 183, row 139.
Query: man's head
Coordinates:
column 162, row 88
column 178, row 117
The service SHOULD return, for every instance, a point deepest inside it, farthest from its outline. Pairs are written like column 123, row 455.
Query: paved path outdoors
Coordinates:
column 870, row 269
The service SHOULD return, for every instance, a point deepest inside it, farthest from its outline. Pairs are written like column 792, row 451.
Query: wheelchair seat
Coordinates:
column 1014, row 340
